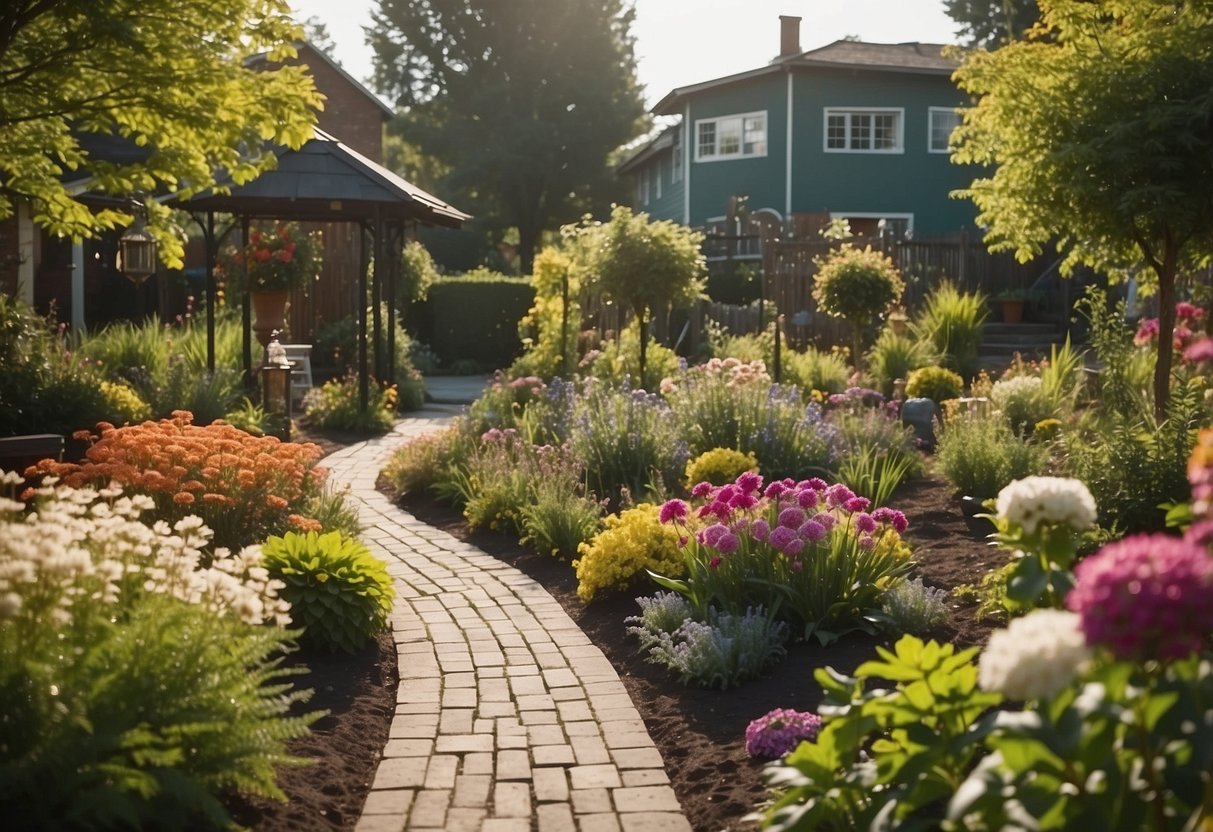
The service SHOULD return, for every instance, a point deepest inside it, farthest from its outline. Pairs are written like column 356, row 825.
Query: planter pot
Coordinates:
column 970, row 507
column 1012, row 311
column 269, row 314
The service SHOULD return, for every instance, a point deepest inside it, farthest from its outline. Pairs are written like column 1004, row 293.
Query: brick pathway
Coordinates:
column 507, row 717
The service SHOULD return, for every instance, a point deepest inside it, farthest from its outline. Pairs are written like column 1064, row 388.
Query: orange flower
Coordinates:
column 183, row 498
column 304, row 524
column 274, row 501
column 217, row 499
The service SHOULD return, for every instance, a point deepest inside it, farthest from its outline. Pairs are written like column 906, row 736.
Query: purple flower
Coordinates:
column 806, row 498
column 837, row 495
column 791, row 517
column 781, row 538
column 673, row 510
column 793, row 548
column 701, row 489
column 749, row 482
column 864, row 523
column 826, row 520
column 774, row 735
column 727, row 493
column 867, row 542
column 760, row 529
column 816, row 483
column 727, row 543
column 812, row 531
column 712, row 534
column 857, row 504
column 742, row 501
column 775, row 490
column 891, row 516
column 1147, row 596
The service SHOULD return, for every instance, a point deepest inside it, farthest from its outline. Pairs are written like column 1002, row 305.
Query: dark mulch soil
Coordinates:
column 700, row 732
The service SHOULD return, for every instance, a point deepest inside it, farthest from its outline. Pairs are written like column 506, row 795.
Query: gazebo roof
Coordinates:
column 325, row 180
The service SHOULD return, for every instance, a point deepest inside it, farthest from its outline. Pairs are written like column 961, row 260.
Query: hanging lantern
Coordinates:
column 137, row 253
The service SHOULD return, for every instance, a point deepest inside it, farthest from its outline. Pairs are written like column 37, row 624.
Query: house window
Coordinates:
column 943, row 121
column 731, row 137
column 659, row 169
column 642, row 186
column 863, row 131
column 676, row 156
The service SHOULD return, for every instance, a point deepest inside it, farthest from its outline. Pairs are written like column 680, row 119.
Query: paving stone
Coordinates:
column 645, row 777
column 506, row 825
column 414, row 726
column 429, row 809
column 603, row 822
column 400, row 773
column 441, row 773
column 512, row 800
column 655, row 822
column 574, row 711
column 550, row 784
column 545, row 734
column 477, row 763
column 590, row 750
column 555, row 817
column 459, row 698
column 626, row 739
column 455, row 721
column 408, row 748
column 389, row 802
column 589, row 801
column 472, row 790
column 559, row 695
column 553, row 755
column 513, row 764
column 380, row 823
column 465, row 819
column 462, row 743
column 595, row 777
column 646, row 799
column 582, row 729
column 538, row 717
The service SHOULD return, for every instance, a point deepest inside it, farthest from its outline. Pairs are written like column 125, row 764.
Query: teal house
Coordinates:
column 851, row 130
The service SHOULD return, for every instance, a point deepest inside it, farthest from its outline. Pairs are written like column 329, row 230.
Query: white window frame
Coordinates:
column 876, row 215
column 642, row 186
column 899, row 142
column 659, row 170
column 932, row 114
column 716, row 155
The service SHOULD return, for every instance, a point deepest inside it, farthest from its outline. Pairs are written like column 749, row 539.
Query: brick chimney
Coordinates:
column 789, row 35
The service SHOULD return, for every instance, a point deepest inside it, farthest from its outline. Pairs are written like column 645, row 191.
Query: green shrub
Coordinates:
column 745, row 348
column 556, row 519
column 618, row 360
column 722, row 652
column 936, row 383
column 816, row 370
column 251, row 418
column 124, row 404
column 861, row 286
column 894, row 357
column 979, row 456
column 951, row 321
column 631, row 543
column 339, row 592
column 1022, row 402
column 421, row 464
column 475, row 317
column 335, row 406
column 913, row 607
column 549, row 329
column 719, row 466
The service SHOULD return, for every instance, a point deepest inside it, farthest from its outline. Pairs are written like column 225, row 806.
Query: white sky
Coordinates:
column 680, row 42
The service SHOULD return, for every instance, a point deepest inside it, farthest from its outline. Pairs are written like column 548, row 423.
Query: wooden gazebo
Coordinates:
column 325, row 181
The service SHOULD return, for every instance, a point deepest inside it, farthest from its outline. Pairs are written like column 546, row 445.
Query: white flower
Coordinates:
column 1054, row 500
column 1035, row 656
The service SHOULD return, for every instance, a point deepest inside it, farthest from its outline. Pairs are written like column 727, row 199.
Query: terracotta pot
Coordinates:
column 1012, row 311
column 269, row 314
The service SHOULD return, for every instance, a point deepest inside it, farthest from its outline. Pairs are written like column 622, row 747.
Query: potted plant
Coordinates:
column 270, row 266
column 1012, row 302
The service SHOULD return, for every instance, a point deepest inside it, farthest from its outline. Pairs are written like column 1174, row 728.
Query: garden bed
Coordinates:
column 699, row 732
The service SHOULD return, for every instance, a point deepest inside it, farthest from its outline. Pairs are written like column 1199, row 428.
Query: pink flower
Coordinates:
column 742, row 502
column 712, row 534
column 1185, row 311
column 806, row 498
column 749, row 482
column 673, row 510
column 891, row 516
column 1147, row 596
column 781, row 538
column 727, row 543
column 1199, row 351
column 867, row 542
column 864, row 523
column 760, row 529
column 791, row 517
column 837, row 495
column 828, row 521
column 812, row 531
column 701, row 489
column 774, row 735
column 715, row 562
column 1147, row 332
column 857, row 504
column 775, row 490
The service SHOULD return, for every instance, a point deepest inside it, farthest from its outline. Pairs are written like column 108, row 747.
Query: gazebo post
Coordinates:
column 246, row 315
column 392, row 264
column 363, row 264
column 211, row 255
column 377, row 295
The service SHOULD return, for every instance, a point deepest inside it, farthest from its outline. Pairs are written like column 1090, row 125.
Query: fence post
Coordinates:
column 778, row 349
column 964, row 256
column 564, row 321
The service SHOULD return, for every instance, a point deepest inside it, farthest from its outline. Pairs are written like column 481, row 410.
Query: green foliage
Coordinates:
column 752, row 346
column 336, row 345
column 145, row 721
column 871, row 472
column 220, row 105
column 417, row 272
column 860, row 286
column 1121, row 390
column 252, row 418
column 992, row 23
column 618, row 361
column 663, row 612
column 553, row 83
column 339, row 592
column 950, row 322
column 719, row 466
column 1063, row 378
column 886, row 756
column 721, row 652
column 555, row 318
column 556, row 520
column 631, row 543
column 333, row 512
column 894, row 357
column 879, row 452
column 475, row 317
column 1022, row 402
column 641, row 264
column 915, row 608
column 936, row 383
column 1121, row 78
column 335, row 406
column 421, row 464
column 123, row 404
column 979, row 456
column 814, row 369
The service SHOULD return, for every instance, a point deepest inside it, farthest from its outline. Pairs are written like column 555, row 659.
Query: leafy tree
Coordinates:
column 641, row 264
column 992, row 23
column 1101, row 141
column 521, row 102
column 166, row 75
column 861, row 286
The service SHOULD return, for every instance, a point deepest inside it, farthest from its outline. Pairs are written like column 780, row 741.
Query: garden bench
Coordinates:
column 300, row 356
column 19, row 452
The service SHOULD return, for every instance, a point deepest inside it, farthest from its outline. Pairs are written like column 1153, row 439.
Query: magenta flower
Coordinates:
column 794, row 547
column 673, row 510
column 1199, row 352
column 891, row 516
column 1147, row 331
column 774, row 735
column 742, row 502
column 837, row 495
column 1147, row 596
column 701, row 489
column 1185, row 311
column 828, row 521
column 816, row 483
column 864, row 523
column 781, row 538
column 776, row 489
column 712, row 534
column 791, row 517
column 715, row 562
column 726, row 493
column 867, row 542
column 857, row 504
column 749, row 482
column 806, row 498
column 812, row 531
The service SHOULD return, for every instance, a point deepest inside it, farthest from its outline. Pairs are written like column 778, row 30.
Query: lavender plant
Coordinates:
column 914, row 607
column 722, row 651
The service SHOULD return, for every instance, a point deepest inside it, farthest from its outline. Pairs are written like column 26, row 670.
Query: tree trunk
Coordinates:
column 1166, row 328
column 642, row 327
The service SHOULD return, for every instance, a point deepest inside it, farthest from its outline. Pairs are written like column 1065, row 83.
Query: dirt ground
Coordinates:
column 700, row 732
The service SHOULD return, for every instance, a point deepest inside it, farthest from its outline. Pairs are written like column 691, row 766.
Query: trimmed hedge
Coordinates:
column 475, row 318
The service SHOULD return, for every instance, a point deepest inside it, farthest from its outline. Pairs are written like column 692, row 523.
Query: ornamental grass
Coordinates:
column 244, row 488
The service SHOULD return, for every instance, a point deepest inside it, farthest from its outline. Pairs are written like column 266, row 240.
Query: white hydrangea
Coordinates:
column 1054, row 500
column 1015, row 389
column 1035, row 656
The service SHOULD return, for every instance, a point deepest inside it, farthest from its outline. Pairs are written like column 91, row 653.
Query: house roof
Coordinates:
column 663, row 141
column 326, row 180
column 918, row 58
column 384, row 109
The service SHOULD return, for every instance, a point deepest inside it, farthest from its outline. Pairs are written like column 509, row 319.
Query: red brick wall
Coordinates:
column 348, row 114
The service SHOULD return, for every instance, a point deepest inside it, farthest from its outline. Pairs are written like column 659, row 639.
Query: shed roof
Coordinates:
column 326, row 180
column 916, row 58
